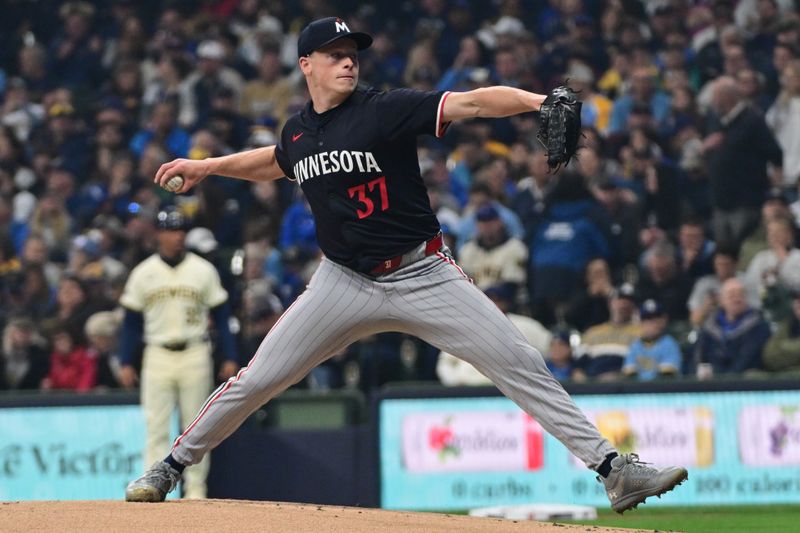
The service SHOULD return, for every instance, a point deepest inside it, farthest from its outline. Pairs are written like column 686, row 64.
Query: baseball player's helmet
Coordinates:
column 170, row 218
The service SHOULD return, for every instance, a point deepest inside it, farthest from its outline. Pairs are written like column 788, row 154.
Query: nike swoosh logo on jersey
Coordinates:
column 297, row 136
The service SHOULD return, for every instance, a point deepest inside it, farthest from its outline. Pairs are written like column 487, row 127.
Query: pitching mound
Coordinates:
column 235, row 515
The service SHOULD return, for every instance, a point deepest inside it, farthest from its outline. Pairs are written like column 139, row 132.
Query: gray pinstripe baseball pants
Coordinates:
column 430, row 298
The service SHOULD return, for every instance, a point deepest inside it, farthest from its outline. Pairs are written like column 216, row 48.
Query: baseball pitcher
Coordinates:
column 353, row 152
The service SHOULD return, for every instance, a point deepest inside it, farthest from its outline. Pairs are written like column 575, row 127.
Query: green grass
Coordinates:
column 723, row 519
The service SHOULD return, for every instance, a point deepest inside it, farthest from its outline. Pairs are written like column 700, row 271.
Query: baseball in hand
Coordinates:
column 174, row 183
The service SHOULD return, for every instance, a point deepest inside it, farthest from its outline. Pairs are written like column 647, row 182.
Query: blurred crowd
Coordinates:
column 669, row 248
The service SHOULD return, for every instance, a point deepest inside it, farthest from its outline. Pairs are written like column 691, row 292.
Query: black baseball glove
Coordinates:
column 560, row 126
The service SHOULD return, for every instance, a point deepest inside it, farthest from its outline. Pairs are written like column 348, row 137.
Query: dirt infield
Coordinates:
column 240, row 516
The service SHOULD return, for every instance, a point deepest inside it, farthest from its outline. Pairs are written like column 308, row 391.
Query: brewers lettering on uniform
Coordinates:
column 167, row 299
column 353, row 152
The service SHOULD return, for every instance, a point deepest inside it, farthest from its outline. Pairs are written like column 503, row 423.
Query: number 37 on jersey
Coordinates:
column 371, row 195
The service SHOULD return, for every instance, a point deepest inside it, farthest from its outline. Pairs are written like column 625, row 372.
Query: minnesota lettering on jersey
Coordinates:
column 332, row 162
column 167, row 293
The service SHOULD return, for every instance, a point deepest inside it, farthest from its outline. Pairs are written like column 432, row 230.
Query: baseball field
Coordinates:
column 244, row 516
column 237, row 515
column 727, row 519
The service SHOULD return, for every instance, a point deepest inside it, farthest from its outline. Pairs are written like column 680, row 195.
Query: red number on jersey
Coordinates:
column 361, row 192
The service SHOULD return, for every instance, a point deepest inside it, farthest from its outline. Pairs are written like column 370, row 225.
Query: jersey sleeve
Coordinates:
column 132, row 295
column 283, row 159
column 215, row 293
column 403, row 112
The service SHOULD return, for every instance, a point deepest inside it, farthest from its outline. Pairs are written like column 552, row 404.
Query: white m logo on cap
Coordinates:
column 341, row 26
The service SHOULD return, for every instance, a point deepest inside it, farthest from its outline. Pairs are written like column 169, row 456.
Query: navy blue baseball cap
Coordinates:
column 562, row 335
column 324, row 31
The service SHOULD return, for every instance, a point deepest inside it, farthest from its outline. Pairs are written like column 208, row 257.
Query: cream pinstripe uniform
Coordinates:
column 177, row 366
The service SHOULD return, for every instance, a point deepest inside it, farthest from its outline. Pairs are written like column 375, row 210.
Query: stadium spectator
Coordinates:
column 655, row 354
column 621, row 211
column 270, row 94
column 604, row 347
column 75, row 52
column 101, row 332
column 19, row 113
column 704, row 297
column 528, row 202
column 774, row 271
column 71, row 309
column 24, row 362
column 472, row 54
column 737, row 152
column 559, row 358
column 171, row 85
column 642, row 91
column 63, row 137
column 10, row 264
column 493, row 256
column 124, row 89
column 229, row 127
column 567, row 238
column 695, row 250
column 35, row 253
column 753, row 85
column 589, row 305
column 656, row 183
column 732, row 339
column 664, row 281
column 32, row 59
column 298, row 228
column 782, row 352
column 163, row 130
column 72, row 365
column 783, row 118
column 28, row 293
column 210, row 75
column 108, row 143
column 480, row 195
column 261, row 309
column 775, row 206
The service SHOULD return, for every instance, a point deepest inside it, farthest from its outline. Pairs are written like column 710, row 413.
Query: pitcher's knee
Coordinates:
column 262, row 389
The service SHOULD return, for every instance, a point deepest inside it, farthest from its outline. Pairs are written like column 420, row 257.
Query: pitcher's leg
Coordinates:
column 195, row 383
column 337, row 308
column 455, row 316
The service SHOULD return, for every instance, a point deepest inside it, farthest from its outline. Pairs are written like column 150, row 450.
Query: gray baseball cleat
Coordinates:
column 154, row 485
column 630, row 482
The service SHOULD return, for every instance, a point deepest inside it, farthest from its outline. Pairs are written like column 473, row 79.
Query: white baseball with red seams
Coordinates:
column 174, row 183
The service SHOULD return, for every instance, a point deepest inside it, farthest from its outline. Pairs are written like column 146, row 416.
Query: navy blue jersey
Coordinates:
column 357, row 165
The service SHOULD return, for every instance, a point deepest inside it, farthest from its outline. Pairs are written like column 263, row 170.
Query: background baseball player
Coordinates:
column 354, row 153
column 167, row 299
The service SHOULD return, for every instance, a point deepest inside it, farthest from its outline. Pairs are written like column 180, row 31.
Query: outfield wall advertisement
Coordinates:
column 69, row 453
column 458, row 453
